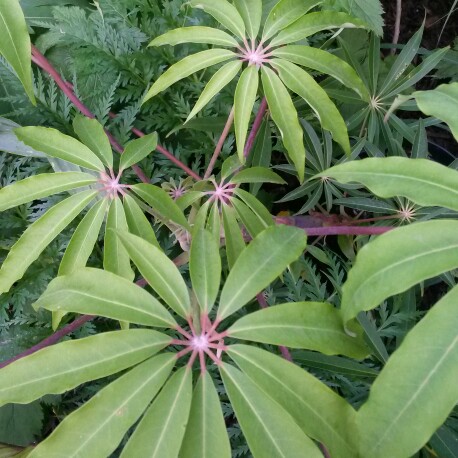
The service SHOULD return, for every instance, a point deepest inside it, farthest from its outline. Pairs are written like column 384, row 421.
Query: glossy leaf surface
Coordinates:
column 257, row 175
column 136, row 150
column 195, row 34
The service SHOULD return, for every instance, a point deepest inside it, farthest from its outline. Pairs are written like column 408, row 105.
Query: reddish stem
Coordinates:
column 256, row 126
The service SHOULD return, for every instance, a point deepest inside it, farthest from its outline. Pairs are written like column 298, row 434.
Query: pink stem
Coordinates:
column 217, row 336
column 213, row 357
column 256, row 126
column 183, row 332
column 183, row 352
column 202, row 362
column 183, row 343
column 192, row 359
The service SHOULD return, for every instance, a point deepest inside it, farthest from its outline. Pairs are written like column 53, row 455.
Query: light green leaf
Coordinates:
column 115, row 257
column 92, row 134
column 217, row 82
column 214, row 224
column 398, row 260
column 320, row 413
column 188, row 66
column 232, row 235
column 225, row 13
column 161, row 431
column 252, row 223
column 269, row 430
column 284, row 13
column 245, row 96
column 300, row 82
column 15, row 43
column 188, row 198
column 257, row 175
column 370, row 11
column 64, row 366
column 285, row 117
column 260, row 263
column 251, row 12
column 416, row 390
column 161, row 202
column 256, row 207
column 39, row 235
column 84, row 239
column 316, row 22
column 136, row 150
column 206, row 435
column 159, row 271
column 309, row 325
column 196, row 34
column 424, row 182
column 97, row 292
column 40, row 186
column 324, row 62
column 97, row 428
column 56, row 144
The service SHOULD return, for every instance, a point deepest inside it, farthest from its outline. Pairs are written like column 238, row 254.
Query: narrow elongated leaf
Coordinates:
column 420, row 378
column 259, row 264
column 232, row 235
column 159, row 271
column 268, row 428
column 256, row 207
column 56, row 144
column 217, row 82
column 370, row 11
column 424, row 182
column 84, row 239
column 257, row 175
column 137, row 150
column 225, row 13
column 321, row 414
column 284, row 13
column 300, row 82
column 398, row 260
column 251, row 12
column 285, row 117
column 91, row 133
column 316, row 22
column 196, row 34
column 97, row 292
column 444, row 442
column 205, row 268
column 206, row 435
column 309, row 325
column 188, row 66
column 15, row 43
column 97, row 428
column 39, row 235
column 161, row 202
column 252, row 223
column 64, row 366
column 324, row 62
column 40, row 186
column 245, row 96
column 162, row 428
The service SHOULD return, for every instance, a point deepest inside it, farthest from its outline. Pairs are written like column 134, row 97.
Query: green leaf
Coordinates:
column 217, row 82
column 159, row 271
column 15, row 43
column 92, row 134
column 161, row 202
column 196, row 34
column 316, row 22
column 445, row 442
column 97, row 428
column 225, row 13
column 284, row 13
column 137, row 221
column 261, row 153
column 300, row 82
column 161, row 430
column 257, row 175
column 259, row 264
column 251, row 12
column 40, row 186
column 309, row 325
column 39, row 235
column 245, row 96
column 423, row 182
column 370, row 11
column 285, row 117
column 324, row 62
column 268, row 428
column 137, row 150
column 252, row 223
column 232, row 235
column 320, row 413
column 206, row 435
column 397, row 260
column 56, row 144
column 416, row 390
column 115, row 257
column 188, row 66
column 73, row 362
column 205, row 268
column 97, row 292
column 256, row 207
